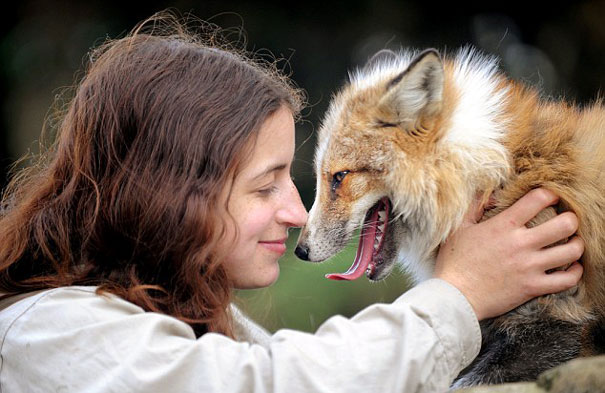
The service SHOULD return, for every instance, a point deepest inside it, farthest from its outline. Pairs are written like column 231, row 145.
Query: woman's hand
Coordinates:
column 500, row 264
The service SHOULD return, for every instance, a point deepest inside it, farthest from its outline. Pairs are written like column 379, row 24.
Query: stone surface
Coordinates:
column 582, row 375
column 525, row 387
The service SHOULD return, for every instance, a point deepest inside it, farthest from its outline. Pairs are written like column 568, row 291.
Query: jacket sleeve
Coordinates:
column 419, row 343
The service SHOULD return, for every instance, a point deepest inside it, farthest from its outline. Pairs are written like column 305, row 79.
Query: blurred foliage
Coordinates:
column 557, row 46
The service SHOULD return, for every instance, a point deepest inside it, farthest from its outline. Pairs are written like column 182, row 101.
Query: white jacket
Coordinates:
column 72, row 340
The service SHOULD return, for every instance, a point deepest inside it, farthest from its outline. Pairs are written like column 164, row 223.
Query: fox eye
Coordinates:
column 385, row 124
column 338, row 178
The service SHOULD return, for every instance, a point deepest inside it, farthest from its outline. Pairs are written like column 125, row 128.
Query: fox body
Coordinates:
column 407, row 145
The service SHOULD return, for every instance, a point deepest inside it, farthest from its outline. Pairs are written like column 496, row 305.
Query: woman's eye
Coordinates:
column 338, row 178
column 267, row 191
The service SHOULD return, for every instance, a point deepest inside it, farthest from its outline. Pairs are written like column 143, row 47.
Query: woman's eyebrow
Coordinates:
column 270, row 169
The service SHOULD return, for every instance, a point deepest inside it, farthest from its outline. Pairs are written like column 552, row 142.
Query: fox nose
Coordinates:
column 302, row 252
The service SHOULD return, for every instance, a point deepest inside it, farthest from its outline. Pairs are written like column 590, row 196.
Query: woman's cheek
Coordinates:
column 256, row 221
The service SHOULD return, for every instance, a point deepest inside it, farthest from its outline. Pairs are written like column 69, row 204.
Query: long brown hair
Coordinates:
column 129, row 196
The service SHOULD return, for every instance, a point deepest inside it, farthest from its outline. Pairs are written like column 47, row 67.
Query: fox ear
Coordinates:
column 417, row 90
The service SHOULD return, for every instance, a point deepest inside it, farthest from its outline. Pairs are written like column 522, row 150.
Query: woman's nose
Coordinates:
column 293, row 212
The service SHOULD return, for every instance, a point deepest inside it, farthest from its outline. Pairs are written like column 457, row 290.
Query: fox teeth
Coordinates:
column 382, row 215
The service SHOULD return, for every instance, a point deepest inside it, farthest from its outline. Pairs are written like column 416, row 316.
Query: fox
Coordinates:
column 408, row 143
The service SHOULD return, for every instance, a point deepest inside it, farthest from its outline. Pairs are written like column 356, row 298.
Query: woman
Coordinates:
column 167, row 188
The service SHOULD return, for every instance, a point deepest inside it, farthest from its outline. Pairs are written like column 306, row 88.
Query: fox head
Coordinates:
column 389, row 162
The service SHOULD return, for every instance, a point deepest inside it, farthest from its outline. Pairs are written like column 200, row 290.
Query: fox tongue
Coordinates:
column 363, row 257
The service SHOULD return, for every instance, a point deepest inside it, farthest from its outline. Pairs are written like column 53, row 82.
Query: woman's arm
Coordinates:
column 71, row 339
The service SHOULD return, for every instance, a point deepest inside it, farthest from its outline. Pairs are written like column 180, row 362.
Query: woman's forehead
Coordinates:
column 274, row 146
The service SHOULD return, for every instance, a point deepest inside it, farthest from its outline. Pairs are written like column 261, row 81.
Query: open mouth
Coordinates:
column 371, row 241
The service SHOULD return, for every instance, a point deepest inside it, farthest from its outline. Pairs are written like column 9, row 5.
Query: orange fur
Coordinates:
column 561, row 147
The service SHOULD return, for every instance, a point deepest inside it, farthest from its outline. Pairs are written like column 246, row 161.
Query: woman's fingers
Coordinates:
column 529, row 206
column 562, row 254
column 556, row 229
column 560, row 280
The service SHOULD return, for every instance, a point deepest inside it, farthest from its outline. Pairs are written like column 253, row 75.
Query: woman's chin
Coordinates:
column 260, row 279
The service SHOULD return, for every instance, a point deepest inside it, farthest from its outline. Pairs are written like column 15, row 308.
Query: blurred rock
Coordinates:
column 526, row 387
column 583, row 375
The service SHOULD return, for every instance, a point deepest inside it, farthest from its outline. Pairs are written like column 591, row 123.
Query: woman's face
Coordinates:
column 264, row 203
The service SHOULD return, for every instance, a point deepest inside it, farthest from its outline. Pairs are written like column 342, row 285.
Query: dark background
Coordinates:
column 559, row 47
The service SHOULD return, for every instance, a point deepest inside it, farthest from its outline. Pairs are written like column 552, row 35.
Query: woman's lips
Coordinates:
column 277, row 246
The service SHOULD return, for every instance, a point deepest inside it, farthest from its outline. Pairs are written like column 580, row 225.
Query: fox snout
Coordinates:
column 321, row 239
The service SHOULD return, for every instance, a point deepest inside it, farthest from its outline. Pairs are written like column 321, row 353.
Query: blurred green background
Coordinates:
column 558, row 47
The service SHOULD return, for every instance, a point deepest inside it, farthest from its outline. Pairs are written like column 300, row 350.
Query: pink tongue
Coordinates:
column 364, row 252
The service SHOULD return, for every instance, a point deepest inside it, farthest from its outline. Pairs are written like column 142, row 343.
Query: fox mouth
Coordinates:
column 369, row 258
